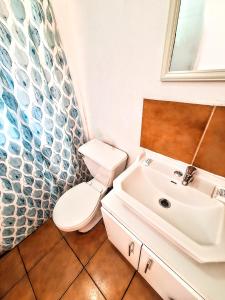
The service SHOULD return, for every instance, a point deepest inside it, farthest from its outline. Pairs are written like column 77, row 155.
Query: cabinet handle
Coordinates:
column 131, row 248
column 148, row 265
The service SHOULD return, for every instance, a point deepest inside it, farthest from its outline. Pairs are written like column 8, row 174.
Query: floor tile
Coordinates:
column 39, row 243
column 22, row 290
column 110, row 271
column 55, row 272
column 83, row 288
column 86, row 244
column 141, row 290
column 11, row 270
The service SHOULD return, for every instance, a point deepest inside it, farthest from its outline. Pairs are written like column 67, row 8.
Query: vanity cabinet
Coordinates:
column 163, row 280
column 122, row 239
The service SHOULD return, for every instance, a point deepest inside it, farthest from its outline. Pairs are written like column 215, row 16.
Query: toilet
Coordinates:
column 79, row 207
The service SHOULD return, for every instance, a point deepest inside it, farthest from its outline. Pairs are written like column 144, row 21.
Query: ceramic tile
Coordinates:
column 173, row 129
column 86, row 244
column 22, row 290
column 55, row 272
column 33, row 248
column 211, row 155
column 11, row 270
column 141, row 290
column 110, row 271
column 83, row 288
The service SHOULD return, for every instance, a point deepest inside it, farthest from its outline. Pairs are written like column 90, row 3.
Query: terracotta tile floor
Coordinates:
column 51, row 265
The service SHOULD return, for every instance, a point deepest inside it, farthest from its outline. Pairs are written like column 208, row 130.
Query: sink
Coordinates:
column 186, row 215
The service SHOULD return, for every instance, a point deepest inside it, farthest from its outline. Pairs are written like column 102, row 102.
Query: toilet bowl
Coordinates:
column 79, row 207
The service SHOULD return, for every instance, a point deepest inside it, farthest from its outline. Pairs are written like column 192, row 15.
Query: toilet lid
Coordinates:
column 76, row 207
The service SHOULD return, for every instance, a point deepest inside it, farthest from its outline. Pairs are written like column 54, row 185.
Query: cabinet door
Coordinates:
column 163, row 280
column 122, row 239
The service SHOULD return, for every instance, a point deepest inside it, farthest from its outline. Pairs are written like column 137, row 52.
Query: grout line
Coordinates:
column 61, row 237
column 43, row 256
column 95, row 252
column 71, row 283
column 27, row 274
column 27, row 271
column 129, row 284
column 95, row 284
column 17, row 282
column 83, row 267
column 85, row 264
column 78, row 273
column 73, row 251
column 203, row 135
column 16, row 247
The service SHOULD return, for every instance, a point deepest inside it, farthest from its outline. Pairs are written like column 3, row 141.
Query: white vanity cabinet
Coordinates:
column 122, row 239
column 164, row 280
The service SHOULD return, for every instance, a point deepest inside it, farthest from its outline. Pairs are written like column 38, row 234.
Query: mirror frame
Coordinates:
column 166, row 74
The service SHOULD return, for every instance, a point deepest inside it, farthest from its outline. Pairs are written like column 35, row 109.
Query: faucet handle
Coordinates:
column 191, row 170
column 178, row 173
column 219, row 193
column 188, row 176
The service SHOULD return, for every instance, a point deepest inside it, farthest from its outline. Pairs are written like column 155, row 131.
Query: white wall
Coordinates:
column 114, row 49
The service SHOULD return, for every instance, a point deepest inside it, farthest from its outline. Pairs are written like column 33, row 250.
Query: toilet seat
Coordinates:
column 76, row 207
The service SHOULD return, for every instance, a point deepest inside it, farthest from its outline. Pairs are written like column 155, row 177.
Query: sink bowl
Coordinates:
column 186, row 215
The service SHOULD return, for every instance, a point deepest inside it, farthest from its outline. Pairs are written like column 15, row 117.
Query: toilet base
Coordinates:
column 97, row 217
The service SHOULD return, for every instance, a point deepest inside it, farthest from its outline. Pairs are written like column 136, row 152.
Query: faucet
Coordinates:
column 189, row 175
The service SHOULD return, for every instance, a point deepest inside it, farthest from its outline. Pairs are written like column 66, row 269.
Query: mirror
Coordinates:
column 195, row 44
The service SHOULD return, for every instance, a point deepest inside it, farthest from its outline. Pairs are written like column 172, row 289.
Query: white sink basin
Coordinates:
column 186, row 215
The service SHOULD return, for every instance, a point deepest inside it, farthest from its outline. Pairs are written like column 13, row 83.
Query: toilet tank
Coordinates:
column 104, row 162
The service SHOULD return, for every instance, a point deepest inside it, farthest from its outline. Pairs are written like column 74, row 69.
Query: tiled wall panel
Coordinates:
column 211, row 155
column 173, row 129
column 191, row 133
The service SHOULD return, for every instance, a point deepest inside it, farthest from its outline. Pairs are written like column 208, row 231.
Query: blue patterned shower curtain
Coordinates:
column 40, row 125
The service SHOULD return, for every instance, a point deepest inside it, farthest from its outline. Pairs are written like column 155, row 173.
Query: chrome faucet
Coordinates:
column 189, row 175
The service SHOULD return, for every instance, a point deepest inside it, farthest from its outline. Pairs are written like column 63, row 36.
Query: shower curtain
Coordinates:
column 40, row 124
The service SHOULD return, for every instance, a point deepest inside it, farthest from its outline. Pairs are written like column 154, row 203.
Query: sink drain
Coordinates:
column 164, row 203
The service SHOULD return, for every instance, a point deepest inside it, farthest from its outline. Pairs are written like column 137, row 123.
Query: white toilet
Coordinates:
column 79, row 207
